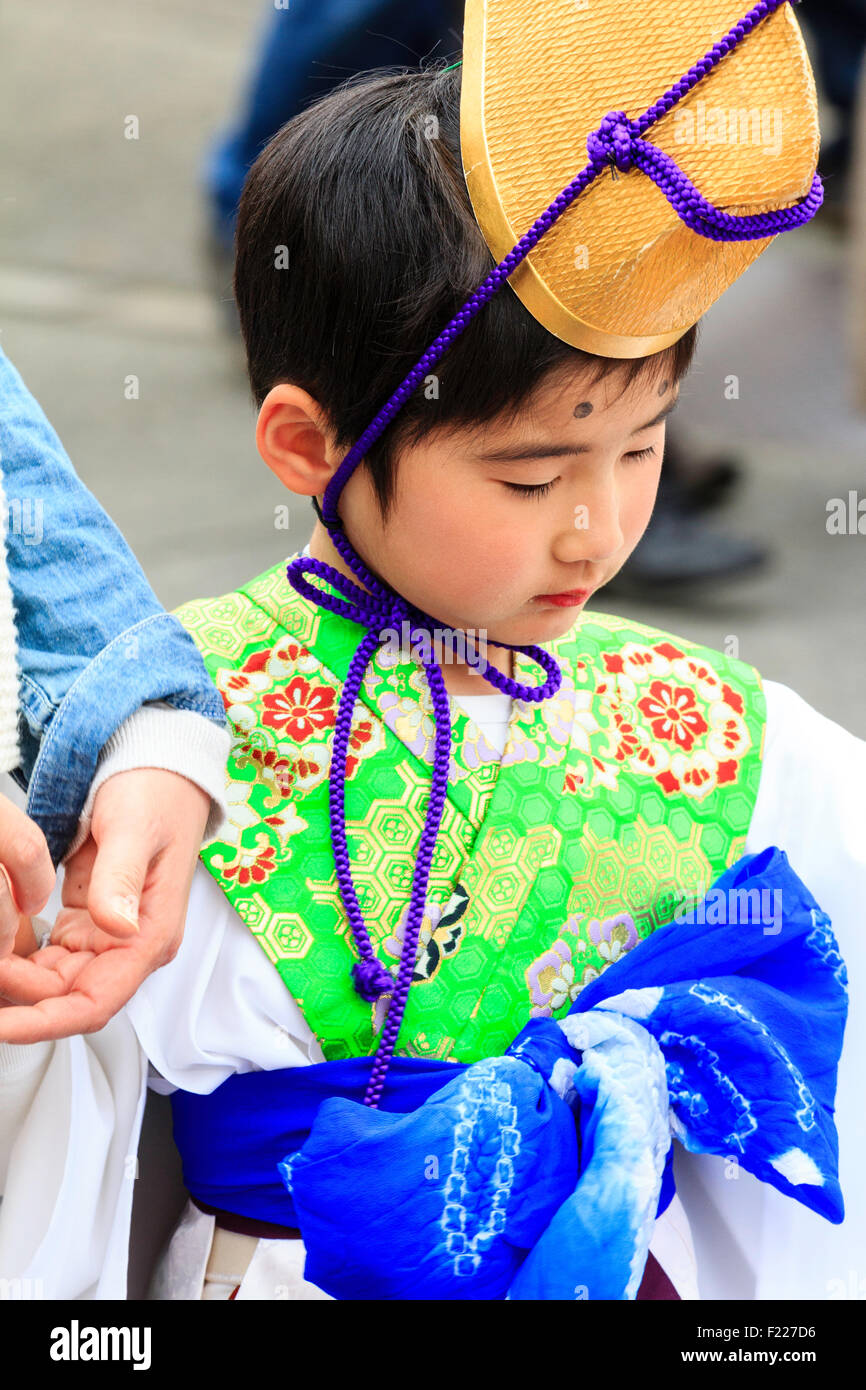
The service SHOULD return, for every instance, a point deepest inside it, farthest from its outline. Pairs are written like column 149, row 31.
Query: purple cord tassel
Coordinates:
column 618, row 144
column 371, row 978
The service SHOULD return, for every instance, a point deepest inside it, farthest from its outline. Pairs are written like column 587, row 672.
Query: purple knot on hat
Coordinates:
column 612, row 142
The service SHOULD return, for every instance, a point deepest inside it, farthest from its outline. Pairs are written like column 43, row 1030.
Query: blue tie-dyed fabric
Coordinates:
column 537, row 1174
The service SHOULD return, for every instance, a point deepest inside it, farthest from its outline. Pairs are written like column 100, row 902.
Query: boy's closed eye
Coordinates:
column 541, row 489
column 536, row 452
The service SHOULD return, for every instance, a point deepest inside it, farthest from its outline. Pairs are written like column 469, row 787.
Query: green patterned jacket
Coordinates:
column 615, row 801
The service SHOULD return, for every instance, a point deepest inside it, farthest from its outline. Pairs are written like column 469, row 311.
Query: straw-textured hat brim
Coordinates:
column 619, row 273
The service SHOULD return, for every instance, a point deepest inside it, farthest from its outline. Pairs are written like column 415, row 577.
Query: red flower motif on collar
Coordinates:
column 301, row 709
column 673, row 713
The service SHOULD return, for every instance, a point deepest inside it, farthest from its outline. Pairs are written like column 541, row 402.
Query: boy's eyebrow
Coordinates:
column 541, row 449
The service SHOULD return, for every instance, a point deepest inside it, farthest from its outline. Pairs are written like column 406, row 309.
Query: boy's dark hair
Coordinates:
column 363, row 195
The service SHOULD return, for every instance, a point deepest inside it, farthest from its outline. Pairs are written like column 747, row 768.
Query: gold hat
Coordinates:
column 619, row 272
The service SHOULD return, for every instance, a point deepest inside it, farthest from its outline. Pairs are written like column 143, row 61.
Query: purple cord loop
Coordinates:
column 617, row 144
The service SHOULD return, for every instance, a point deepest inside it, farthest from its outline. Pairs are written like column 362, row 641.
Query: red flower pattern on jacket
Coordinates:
column 286, row 652
column 261, row 867
column 673, row 713
column 360, row 735
column 301, row 709
column 666, row 714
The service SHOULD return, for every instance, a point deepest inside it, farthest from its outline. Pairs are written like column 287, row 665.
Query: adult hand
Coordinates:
column 26, row 872
column 146, row 833
column 33, row 978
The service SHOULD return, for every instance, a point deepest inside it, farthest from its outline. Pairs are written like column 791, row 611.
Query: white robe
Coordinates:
column 220, row 1007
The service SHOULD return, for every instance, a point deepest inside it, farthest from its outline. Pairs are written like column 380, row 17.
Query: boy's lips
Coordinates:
column 569, row 598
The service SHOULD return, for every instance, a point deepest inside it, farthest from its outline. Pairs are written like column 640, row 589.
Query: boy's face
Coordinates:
column 487, row 523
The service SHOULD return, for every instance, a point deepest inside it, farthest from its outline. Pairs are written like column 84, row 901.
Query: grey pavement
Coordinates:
column 103, row 276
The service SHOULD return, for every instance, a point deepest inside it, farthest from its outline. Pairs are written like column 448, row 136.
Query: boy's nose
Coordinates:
column 593, row 530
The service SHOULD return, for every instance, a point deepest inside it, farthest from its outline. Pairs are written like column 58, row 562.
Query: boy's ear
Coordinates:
column 295, row 441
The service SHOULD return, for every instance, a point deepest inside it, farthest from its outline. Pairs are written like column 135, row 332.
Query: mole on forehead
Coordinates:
column 584, row 408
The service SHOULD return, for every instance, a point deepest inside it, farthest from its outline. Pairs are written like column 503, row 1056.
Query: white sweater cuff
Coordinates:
column 158, row 735
column 19, row 1059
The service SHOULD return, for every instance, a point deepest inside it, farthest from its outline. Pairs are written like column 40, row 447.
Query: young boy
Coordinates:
column 571, row 826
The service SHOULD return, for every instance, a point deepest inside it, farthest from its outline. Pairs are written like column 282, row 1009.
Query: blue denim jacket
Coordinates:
column 94, row 641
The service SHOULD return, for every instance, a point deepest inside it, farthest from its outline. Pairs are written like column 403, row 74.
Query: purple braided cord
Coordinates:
column 380, row 613
column 617, row 144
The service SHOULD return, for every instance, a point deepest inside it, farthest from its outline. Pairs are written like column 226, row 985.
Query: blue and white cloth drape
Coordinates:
column 537, row 1175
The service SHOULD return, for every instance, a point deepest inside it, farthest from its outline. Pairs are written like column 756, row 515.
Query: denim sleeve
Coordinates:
column 94, row 643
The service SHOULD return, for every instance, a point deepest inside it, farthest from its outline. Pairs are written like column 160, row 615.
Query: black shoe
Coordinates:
column 693, row 490
column 679, row 550
column 714, row 484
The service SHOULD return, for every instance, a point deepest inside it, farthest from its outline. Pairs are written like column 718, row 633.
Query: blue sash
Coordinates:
column 539, row 1174
column 232, row 1140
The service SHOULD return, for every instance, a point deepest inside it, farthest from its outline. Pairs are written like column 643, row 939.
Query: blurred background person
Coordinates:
column 306, row 48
